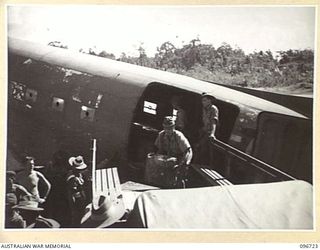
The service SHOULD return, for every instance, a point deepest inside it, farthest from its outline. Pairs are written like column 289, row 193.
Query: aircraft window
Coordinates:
column 150, row 108
column 17, row 90
column 31, row 95
column 57, row 104
column 87, row 113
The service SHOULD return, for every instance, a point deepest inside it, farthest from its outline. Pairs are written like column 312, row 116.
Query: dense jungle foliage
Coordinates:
column 226, row 65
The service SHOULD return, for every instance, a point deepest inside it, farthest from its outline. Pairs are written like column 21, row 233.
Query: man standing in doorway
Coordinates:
column 210, row 119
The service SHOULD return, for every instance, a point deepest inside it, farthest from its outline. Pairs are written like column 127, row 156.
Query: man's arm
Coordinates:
column 21, row 190
column 185, row 147
column 212, row 132
column 186, row 158
column 47, row 184
column 214, row 116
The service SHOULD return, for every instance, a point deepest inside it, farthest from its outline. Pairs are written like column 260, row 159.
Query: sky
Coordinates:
column 118, row 29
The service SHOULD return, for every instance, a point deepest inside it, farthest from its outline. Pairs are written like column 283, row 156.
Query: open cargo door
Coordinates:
column 285, row 142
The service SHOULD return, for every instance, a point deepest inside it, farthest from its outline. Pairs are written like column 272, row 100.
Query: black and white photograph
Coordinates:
column 160, row 117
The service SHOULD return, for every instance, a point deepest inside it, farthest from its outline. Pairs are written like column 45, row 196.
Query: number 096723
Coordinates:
column 308, row 245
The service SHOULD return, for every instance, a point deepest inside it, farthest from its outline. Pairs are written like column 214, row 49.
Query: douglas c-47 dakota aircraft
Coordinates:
column 62, row 103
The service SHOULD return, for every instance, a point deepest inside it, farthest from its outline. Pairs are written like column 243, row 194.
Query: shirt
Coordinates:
column 174, row 145
column 210, row 116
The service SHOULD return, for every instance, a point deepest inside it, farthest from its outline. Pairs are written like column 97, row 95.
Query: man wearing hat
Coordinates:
column 210, row 118
column 30, row 212
column 173, row 144
column 78, row 185
column 11, row 187
column 12, row 219
column 14, row 193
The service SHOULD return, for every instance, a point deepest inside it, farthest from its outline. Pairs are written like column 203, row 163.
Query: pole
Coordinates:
column 94, row 149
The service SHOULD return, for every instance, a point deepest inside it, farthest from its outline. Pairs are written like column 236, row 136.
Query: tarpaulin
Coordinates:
column 279, row 205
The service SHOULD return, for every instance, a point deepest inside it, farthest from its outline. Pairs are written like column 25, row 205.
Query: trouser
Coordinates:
column 77, row 205
column 204, row 152
column 181, row 176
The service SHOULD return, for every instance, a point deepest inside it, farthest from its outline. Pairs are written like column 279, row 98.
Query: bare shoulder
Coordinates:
column 39, row 174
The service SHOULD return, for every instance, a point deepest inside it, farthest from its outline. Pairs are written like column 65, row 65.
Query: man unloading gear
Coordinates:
column 172, row 156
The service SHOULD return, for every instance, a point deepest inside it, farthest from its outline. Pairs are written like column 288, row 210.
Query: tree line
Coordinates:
column 225, row 64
